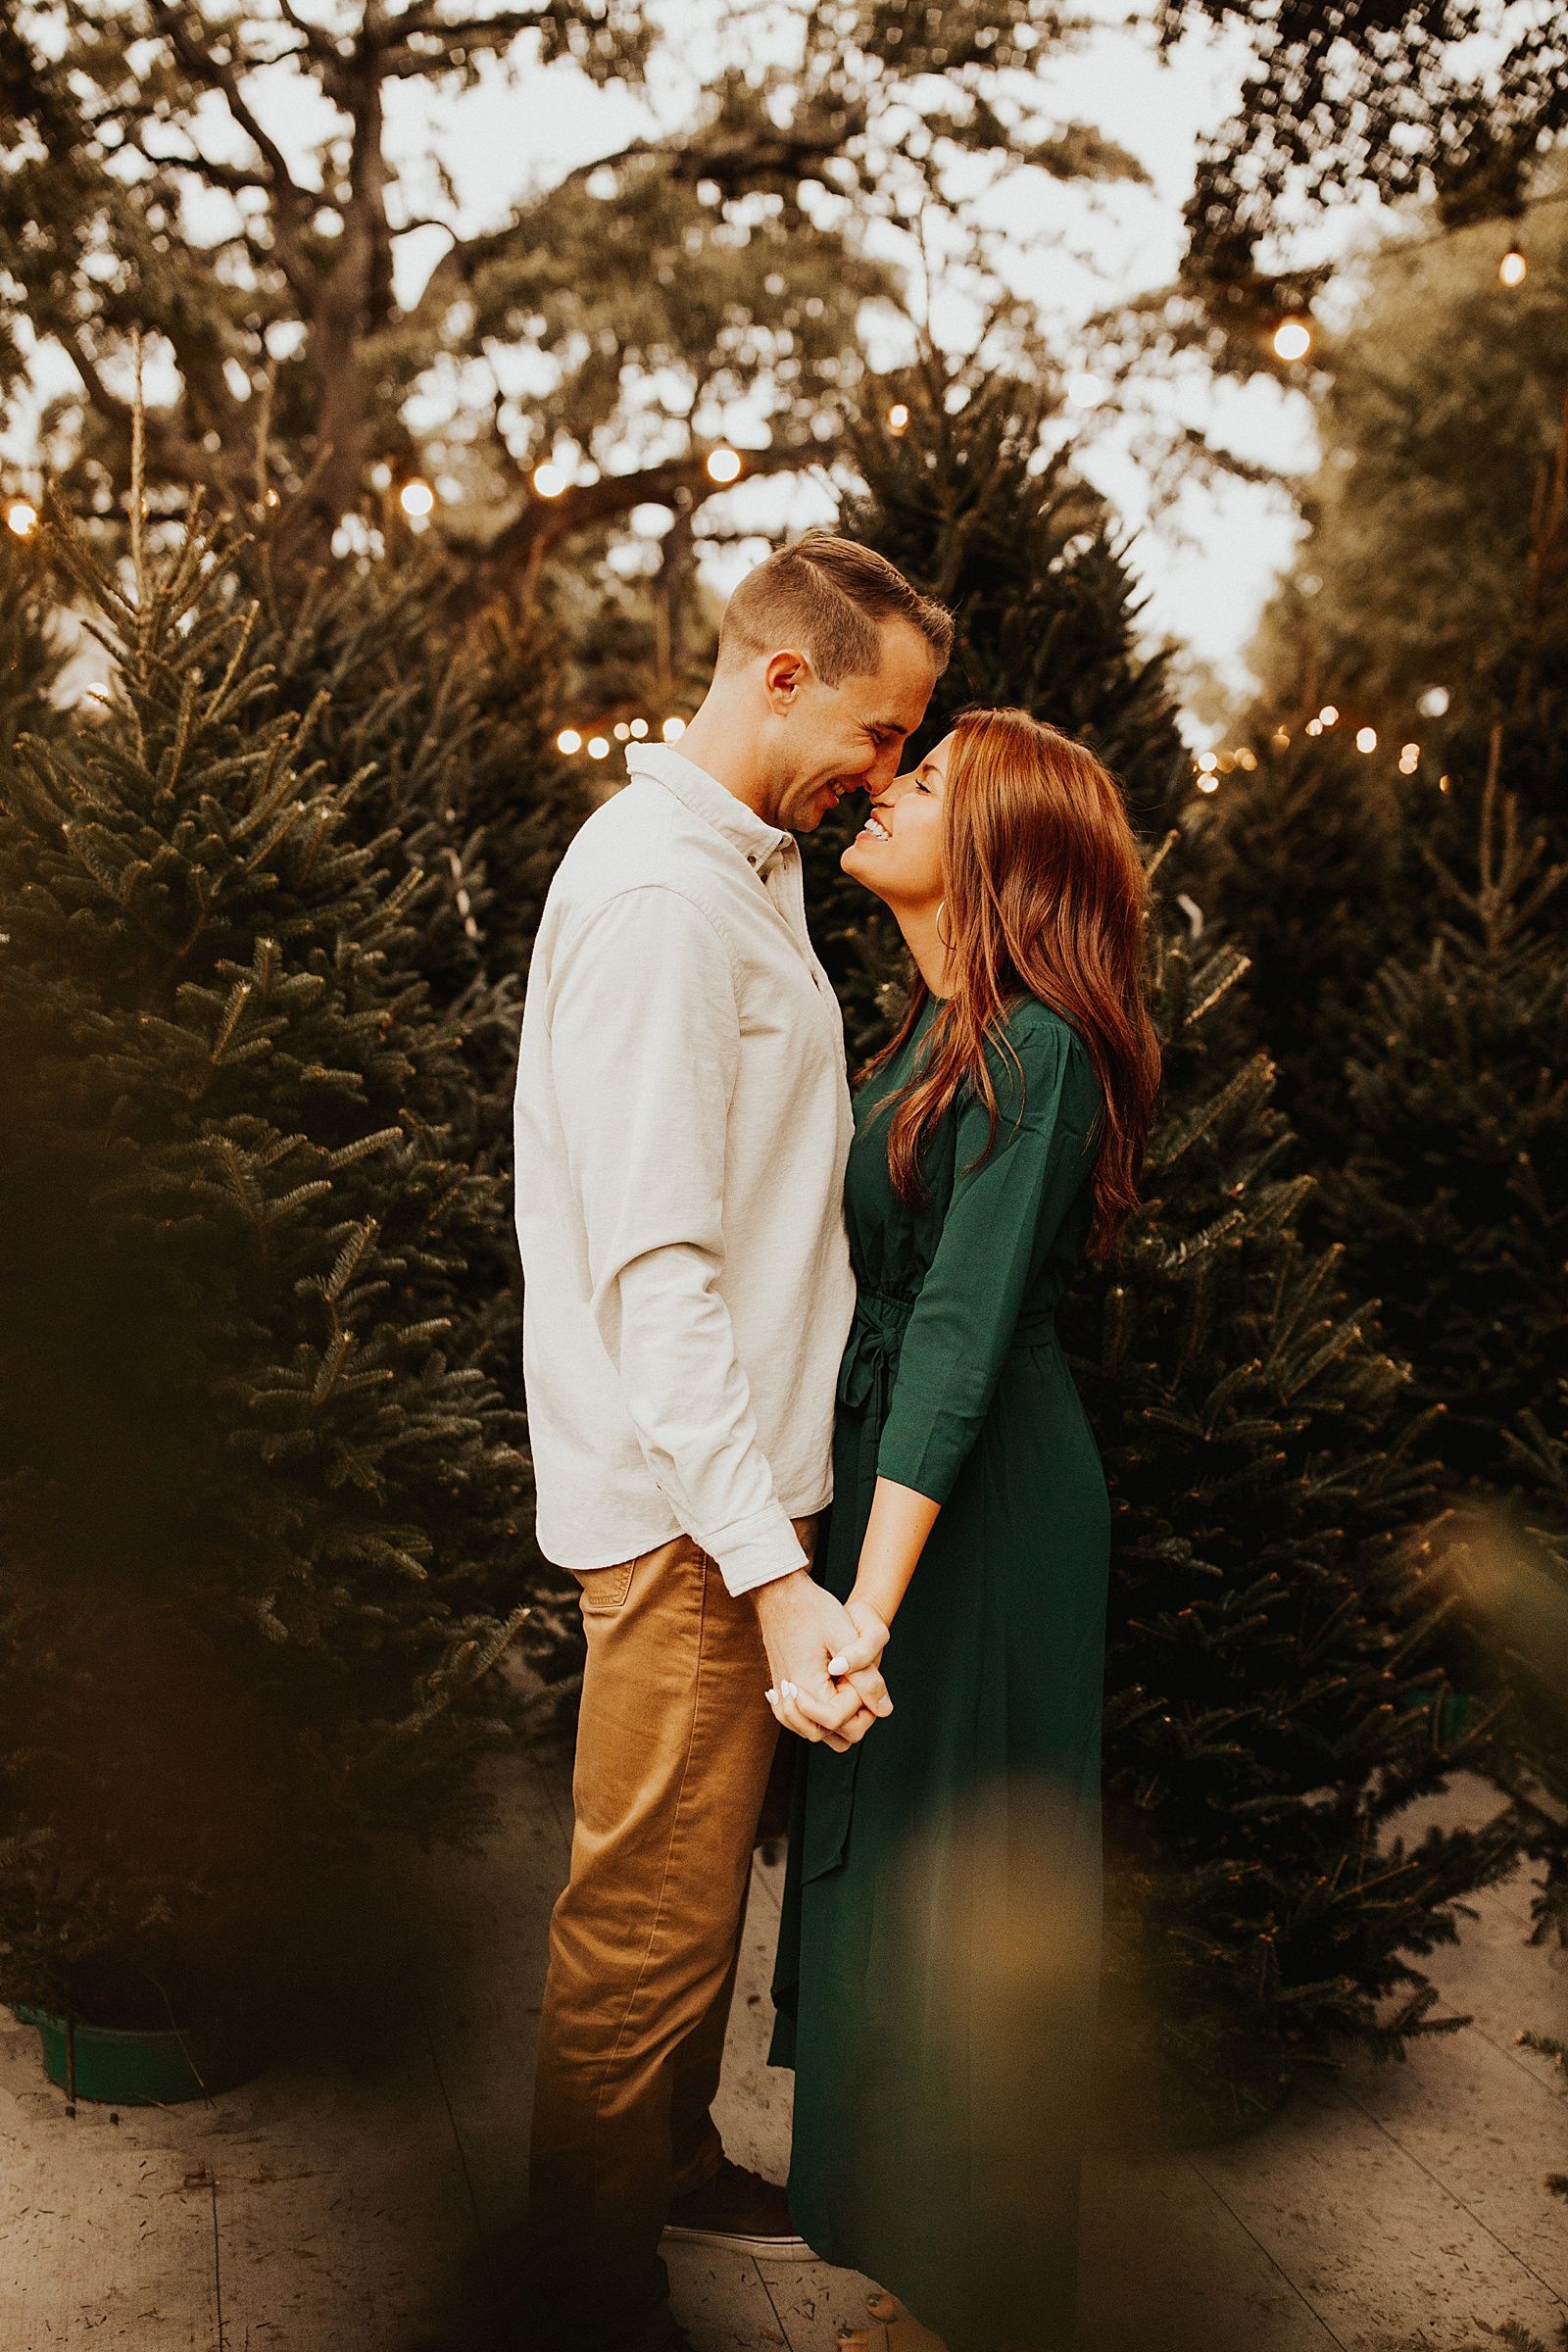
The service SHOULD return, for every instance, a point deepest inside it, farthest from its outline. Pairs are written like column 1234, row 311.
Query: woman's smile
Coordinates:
column 876, row 828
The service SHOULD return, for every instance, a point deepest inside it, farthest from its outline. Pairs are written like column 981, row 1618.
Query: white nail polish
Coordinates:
column 838, row 1665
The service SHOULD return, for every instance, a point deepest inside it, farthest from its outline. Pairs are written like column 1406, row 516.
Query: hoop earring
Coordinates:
column 942, row 907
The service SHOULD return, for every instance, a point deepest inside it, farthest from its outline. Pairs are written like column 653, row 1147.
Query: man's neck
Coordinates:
column 715, row 741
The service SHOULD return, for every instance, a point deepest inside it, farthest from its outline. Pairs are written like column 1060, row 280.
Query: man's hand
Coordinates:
column 809, row 1637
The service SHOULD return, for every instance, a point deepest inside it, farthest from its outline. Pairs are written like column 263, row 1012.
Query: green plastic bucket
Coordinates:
column 130, row 2066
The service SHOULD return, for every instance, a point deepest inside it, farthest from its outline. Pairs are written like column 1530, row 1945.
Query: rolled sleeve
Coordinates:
column 644, row 1045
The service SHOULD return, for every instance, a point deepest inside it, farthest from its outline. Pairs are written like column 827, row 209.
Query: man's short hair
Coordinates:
column 830, row 598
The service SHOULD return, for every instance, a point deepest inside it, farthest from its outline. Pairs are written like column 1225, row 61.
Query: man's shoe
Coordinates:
column 740, row 2210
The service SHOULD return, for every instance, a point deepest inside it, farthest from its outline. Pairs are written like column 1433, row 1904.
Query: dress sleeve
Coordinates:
column 968, row 1305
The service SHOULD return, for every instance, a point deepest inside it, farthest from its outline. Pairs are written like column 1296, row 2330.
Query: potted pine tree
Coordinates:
column 1275, row 1689
column 256, row 1503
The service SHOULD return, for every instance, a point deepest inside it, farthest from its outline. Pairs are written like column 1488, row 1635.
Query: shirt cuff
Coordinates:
column 758, row 1551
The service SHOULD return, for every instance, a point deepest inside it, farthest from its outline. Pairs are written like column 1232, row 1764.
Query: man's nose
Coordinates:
column 882, row 777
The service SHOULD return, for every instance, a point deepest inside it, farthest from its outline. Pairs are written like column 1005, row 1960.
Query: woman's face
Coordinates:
column 898, row 852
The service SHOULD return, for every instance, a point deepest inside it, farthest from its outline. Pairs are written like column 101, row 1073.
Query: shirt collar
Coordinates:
column 707, row 798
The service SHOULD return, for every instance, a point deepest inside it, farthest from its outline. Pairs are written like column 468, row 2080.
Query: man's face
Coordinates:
column 833, row 740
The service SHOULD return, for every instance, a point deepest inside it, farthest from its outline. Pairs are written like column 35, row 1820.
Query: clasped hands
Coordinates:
column 824, row 1656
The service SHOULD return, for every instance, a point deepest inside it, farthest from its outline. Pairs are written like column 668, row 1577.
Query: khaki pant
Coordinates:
column 675, row 1745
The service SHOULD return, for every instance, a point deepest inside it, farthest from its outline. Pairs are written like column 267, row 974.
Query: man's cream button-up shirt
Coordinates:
column 682, row 1124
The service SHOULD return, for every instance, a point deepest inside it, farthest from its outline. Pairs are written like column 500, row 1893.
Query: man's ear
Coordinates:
column 784, row 676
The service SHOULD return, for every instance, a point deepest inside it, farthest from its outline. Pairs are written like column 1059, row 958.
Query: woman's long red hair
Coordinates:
column 1046, row 896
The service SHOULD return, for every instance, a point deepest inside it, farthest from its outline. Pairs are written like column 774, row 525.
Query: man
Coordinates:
column 682, row 1125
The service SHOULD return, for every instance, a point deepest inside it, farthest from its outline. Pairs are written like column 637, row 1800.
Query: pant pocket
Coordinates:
column 605, row 1590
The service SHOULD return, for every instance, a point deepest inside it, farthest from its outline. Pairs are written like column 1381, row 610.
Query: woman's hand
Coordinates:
column 855, row 1664
column 860, row 1660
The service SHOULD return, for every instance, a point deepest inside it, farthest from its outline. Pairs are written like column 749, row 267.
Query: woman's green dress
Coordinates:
column 938, row 1962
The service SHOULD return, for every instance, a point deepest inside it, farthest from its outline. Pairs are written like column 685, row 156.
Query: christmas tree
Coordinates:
column 1046, row 612
column 1275, row 1689
column 444, row 712
column 1453, row 1196
column 257, row 1509
column 1456, row 1196
column 1304, row 864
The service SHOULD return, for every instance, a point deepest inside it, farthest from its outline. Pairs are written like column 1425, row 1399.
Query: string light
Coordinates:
column 1086, row 389
column 1208, row 783
column 724, row 465
column 1247, row 758
column 1434, row 703
column 639, row 728
column 897, row 417
column 22, row 517
column 1409, row 758
column 568, row 741
column 1314, row 726
column 598, row 747
column 674, row 729
column 1367, row 739
column 549, row 481
column 1513, row 269
column 416, row 496
column 621, row 731
column 1279, row 737
column 1293, row 340
column 1329, row 714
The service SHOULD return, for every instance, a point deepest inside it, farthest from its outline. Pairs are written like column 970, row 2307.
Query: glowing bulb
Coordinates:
column 1409, row 758
column 1434, row 703
column 899, row 418
column 1513, row 269
column 639, row 728
column 674, row 729
column 1279, row 737
column 1208, row 783
column 416, row 496
column 1329, row 714
column 724, row 465
column 1314, row 726
column 549, row 480
column 598, row 746
column 1247, row 758
column 568, row 741
column 1293, row 340
column 1085, row 390
column 1367, row 739
column 272, row 498
column 1207, row 762
column 22, row 517
column 621, row 731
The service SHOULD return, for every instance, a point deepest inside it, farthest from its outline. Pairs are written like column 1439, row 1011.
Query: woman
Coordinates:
column 936, row 1968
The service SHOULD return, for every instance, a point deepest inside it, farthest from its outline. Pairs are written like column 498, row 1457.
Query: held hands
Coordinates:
column 823, row 1656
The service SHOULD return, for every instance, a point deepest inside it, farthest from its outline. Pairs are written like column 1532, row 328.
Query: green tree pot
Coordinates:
column 134, row 2066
